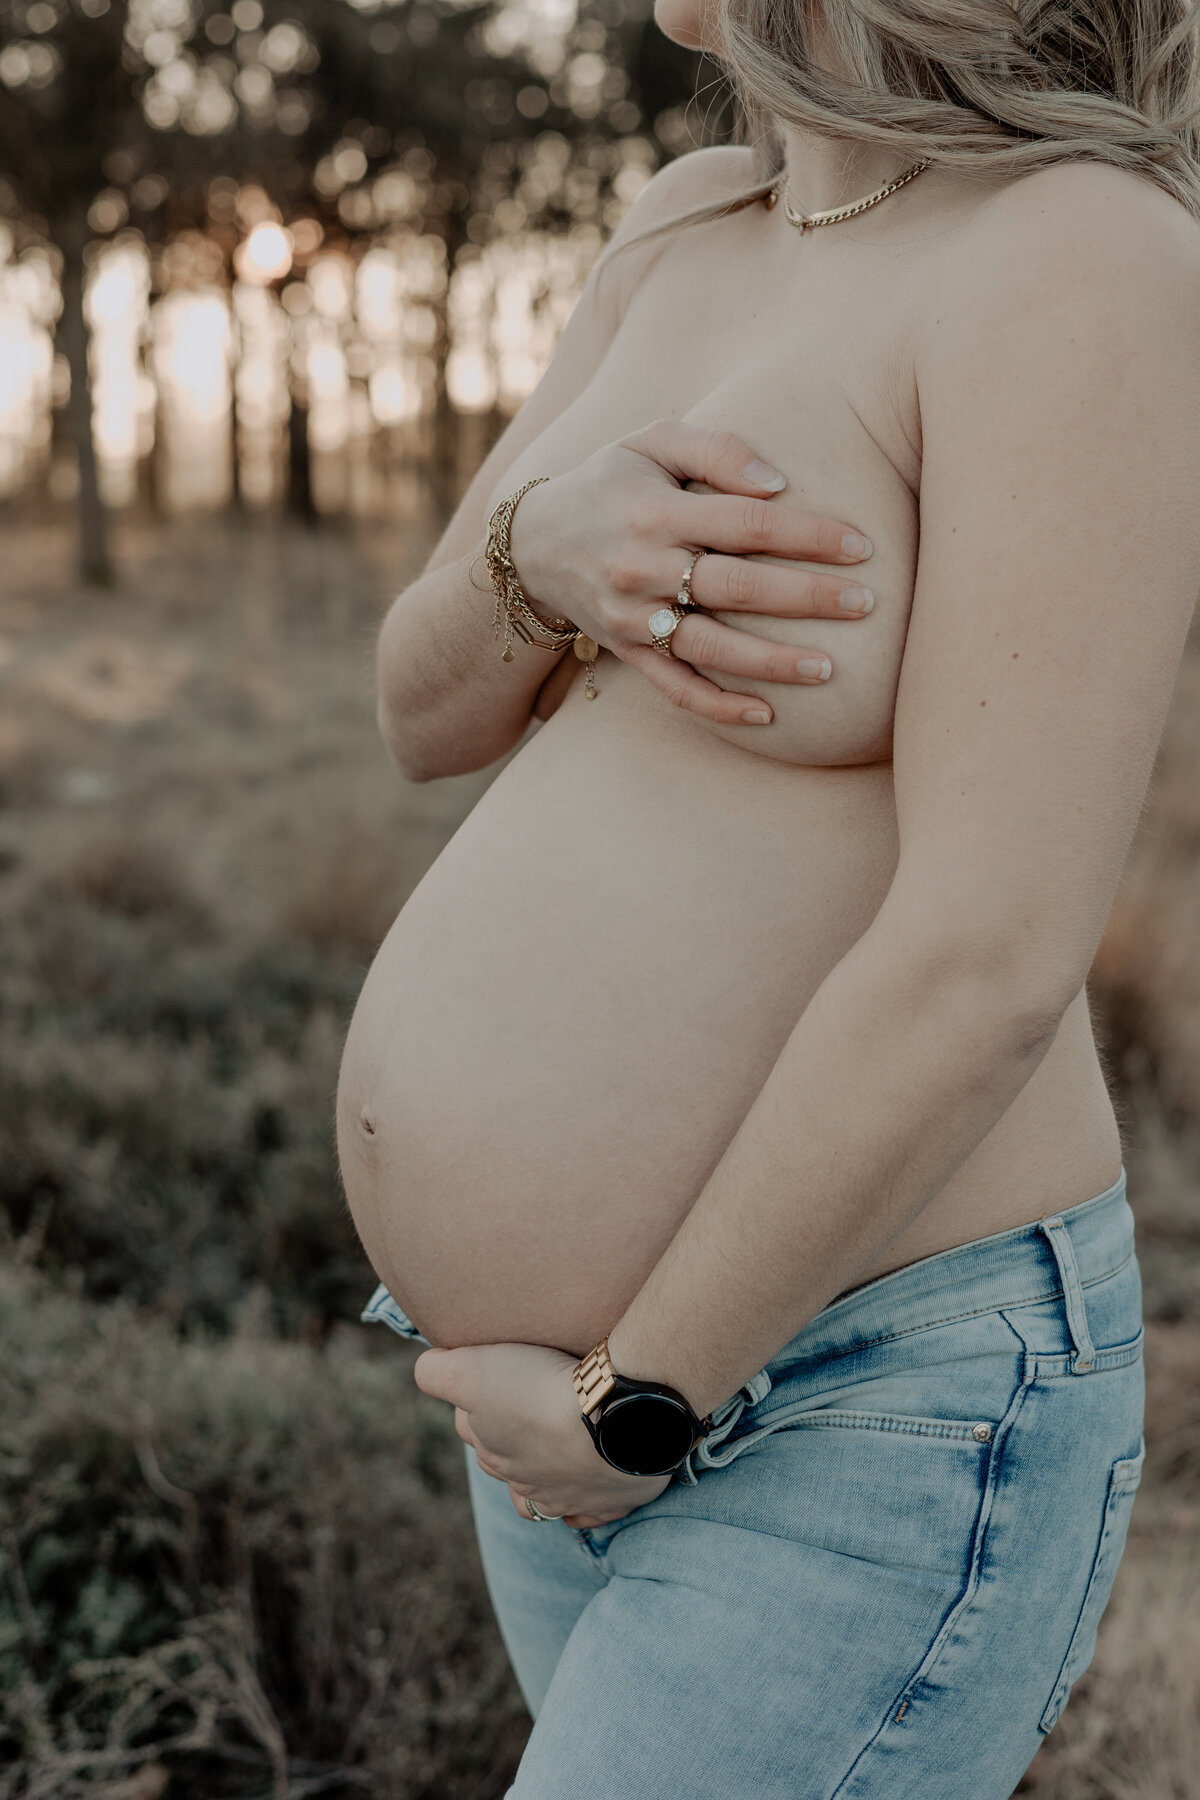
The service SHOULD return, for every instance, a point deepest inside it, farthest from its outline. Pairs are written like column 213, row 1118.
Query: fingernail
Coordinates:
column 756, row 718
column 856, row 599
column 764, row 476
column 856, row 545
column 815, row 668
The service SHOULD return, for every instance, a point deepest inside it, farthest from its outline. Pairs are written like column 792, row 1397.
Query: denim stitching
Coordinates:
column 587, row 1545
column 724, row 1419
column 1116, row 1192
column 1119, row 1485
column 956, row 1430
column 843, row 1791
column 1040, row 1365
column 1054, row 1365
column 977, row 1312
column 804, row 1416
column 1059, row 1239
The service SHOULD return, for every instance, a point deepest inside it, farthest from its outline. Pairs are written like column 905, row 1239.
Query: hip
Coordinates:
column 883, row 1569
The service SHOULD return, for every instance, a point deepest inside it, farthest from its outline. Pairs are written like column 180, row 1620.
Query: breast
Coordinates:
column 840, row 462
column 847, row 720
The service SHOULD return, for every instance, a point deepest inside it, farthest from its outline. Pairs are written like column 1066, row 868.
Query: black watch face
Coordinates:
column 645, row 1434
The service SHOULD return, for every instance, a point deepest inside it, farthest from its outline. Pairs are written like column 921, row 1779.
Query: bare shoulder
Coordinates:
column 701, row 178
column 679, row 191
column 1083, row 240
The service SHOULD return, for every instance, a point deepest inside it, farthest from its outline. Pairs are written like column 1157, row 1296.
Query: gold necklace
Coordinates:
column 804, row 221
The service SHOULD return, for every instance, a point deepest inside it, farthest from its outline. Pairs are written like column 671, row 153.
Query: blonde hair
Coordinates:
column 1002, row 86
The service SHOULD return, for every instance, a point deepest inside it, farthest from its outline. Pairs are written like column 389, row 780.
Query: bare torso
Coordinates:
column 576, row 1008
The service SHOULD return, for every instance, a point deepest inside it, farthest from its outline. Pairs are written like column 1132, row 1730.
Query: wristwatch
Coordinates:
column 640, row 1427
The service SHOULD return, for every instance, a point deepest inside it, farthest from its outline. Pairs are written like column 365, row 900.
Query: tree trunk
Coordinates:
column 300, row 494
column 94, row 563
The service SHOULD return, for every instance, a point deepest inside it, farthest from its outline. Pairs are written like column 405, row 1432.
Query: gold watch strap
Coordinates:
column 594, row 1378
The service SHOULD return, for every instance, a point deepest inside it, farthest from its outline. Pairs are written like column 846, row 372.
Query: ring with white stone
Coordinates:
column 537, row 1516
column 663, row 624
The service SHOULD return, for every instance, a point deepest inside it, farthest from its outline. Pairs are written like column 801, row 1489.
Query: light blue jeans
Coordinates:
column 879, row 1575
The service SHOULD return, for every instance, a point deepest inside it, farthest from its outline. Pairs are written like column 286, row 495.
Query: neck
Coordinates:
column 824, row 172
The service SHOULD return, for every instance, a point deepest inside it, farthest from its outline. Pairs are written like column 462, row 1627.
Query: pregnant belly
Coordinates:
column 576, row 1008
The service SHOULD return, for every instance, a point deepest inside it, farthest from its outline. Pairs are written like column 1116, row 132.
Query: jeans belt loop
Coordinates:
column 1059, row 1239
column 726, row 1417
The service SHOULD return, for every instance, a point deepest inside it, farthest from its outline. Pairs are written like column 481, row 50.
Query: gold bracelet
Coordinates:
column 513, row 613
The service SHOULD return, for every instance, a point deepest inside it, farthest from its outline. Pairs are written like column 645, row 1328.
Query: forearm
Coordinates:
column 898, row 1069
column 447, row 703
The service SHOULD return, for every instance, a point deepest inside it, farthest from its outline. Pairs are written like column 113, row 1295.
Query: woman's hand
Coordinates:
column 608, row 542
column 516, row 1405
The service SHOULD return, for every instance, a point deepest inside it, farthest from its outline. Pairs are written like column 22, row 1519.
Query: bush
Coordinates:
column 166, row 1110
column 244, row 1563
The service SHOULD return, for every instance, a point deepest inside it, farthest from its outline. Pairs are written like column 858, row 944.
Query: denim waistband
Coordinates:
column 1056, row 1257
column 1051, row 1258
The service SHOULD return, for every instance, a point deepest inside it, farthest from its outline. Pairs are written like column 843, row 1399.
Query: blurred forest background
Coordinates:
column 271, row 280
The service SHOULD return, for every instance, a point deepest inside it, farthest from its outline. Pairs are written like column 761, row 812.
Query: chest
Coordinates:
column 805, row 360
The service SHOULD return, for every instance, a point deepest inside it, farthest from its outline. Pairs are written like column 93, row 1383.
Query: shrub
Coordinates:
column 244, row 1562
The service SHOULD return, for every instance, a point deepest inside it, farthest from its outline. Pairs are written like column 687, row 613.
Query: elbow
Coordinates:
column 401, row 745
column 1017, row 999
column 405, row 755
column 996, row 993
column 434, row 724
column 413, row 753
column 421, row 751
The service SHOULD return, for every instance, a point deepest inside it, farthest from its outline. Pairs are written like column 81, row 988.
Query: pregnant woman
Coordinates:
column 723, row 1106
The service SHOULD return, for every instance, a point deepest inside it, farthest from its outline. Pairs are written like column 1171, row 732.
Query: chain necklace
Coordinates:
column 805, row 221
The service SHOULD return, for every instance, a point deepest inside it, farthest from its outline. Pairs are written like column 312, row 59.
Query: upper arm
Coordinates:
column 683, row 184
column 1059, row 382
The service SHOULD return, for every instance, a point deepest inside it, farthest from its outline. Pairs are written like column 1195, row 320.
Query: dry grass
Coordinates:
column 246, row 1562
column 234, row 1550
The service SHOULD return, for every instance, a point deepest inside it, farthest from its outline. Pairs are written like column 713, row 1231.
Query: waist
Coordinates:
column 1026, row 1266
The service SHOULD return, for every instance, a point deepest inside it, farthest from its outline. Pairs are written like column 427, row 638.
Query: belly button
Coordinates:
column 365, row 1121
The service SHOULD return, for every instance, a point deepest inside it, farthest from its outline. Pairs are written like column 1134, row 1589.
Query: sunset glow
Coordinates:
column 368, row 335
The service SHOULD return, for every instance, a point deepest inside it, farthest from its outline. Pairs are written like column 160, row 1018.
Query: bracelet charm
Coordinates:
column 513, row 616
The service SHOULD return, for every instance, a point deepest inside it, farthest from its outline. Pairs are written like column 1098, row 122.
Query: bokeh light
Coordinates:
column 339, row 320
column 266, row 255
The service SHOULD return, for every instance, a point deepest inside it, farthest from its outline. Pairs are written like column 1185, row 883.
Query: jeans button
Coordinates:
column 982, row 1434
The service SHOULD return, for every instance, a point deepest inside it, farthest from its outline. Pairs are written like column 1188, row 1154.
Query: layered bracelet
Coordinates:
column 513, row 616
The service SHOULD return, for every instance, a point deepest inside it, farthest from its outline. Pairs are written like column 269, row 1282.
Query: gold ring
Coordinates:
column 684, row 596
column 663, row 624
column 539, row 1518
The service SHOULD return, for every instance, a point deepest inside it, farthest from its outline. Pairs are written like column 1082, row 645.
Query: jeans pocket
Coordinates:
column 962, row 1431
column 1122, row 1486
column 895, row 1490
column 806, row 1417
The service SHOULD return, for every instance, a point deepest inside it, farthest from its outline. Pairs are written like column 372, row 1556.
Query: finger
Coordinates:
column 462, row 1424
column 697, row 453
column 744, row 526
column 738, row 584
column 518, row 1499
column 707, row 644
column 445, row 1375
column 686, row 689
